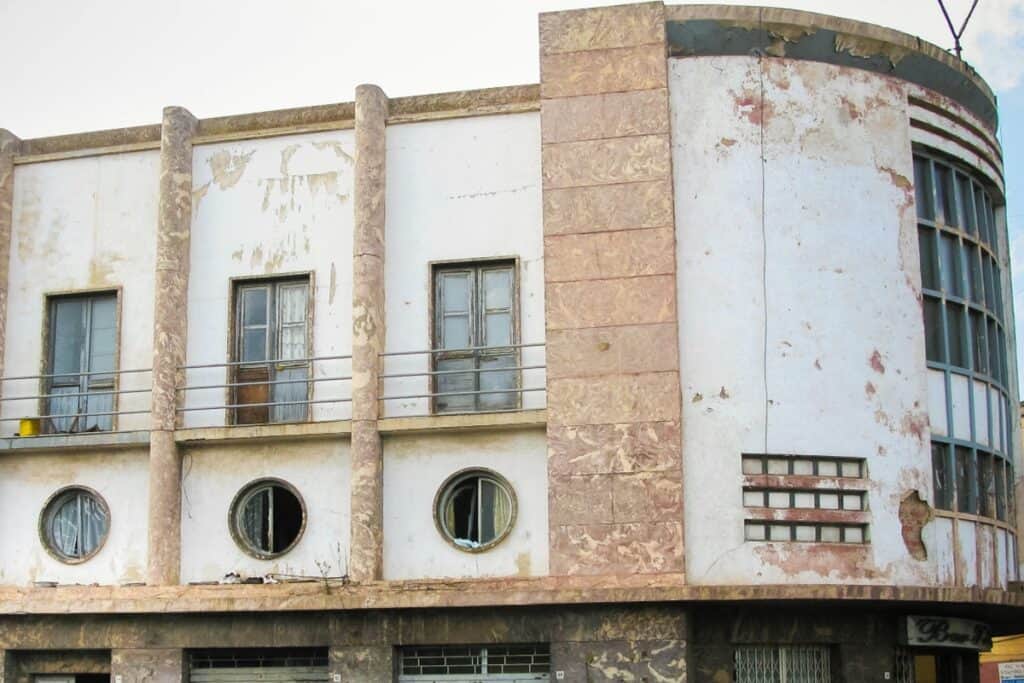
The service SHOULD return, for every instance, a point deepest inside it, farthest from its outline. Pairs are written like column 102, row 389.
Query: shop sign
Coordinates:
column 1011, row 672
column 948, row 632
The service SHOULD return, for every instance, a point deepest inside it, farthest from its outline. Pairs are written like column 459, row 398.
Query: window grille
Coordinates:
column 258, row 658
column 508, row 663
column 783, row 664
column 904, row 666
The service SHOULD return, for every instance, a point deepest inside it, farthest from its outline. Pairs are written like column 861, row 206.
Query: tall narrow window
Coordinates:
column 475, row 331
column 271, row 351
column 81, row 362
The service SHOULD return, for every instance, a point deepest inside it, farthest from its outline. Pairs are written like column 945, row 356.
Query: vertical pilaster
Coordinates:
column 9, row 145
column 170, row 323
column 161, row 665
column 614, row 450
column 366, row 553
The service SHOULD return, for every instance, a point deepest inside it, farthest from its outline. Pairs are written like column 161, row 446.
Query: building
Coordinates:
column 692, row 363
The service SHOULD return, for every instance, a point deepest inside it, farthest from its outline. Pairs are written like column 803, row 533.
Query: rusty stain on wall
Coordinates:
column 875, row 361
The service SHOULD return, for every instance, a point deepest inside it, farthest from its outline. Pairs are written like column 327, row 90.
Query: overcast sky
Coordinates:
column 75, row 65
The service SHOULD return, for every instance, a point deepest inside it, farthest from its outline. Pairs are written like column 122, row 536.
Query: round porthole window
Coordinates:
column 475, row 509
column 74, row 524
column 267, row 518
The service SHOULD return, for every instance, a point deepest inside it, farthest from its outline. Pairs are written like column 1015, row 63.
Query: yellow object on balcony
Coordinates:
column 28, row 426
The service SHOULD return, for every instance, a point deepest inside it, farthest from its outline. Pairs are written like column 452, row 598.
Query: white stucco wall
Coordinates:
column 461, row 189
column 416, row 466
column 266, row 208
column 800, row 327
column 79, row 225
column 319, row 470
column 28, row 480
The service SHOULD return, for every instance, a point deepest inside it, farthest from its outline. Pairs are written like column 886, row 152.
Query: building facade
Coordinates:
column 694, row 362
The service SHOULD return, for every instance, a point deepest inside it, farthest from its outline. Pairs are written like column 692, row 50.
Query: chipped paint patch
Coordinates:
column 914, row 514
column 228, row 168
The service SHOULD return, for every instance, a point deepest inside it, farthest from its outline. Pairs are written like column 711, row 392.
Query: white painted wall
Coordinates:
column 28, row 480
column 265, row 208
column 461, row 189
column 790, row 281
column 82, row 224
column 320, row 471
column 416, row 466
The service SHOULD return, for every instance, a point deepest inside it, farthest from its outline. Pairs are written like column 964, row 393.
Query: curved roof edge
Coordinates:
column 695, row 30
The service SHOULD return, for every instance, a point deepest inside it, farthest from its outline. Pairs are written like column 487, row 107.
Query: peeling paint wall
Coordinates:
column 28, row 480
column 460, row 190
column 82, row 224
column 212, row 475
column 800, row 321
column 416, row 466
column 264, row 208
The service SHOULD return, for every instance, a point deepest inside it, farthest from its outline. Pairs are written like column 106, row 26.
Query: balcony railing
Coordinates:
column 313, row 389
column 467, row 380
column 72, row 403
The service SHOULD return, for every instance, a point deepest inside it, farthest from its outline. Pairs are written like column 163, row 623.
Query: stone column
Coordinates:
column 366, row 543
column 614, row 449
column 354, row 663
column 9, row 145
column 170, row 323
column 7, row 672
column 163, row 665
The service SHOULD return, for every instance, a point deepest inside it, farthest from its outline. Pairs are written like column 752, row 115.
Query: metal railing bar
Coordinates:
column 466, row 371
column 103, row 392
column 86, row 415
column 261, row 362
column 464, row 393
column 279, row 381
column 76, row 374
column 229, row 406
column 468, row 348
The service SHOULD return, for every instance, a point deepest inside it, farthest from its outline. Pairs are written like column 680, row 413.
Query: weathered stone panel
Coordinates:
column 148, row 666
column 629, row 206
column 595, row 256
column 362, row 662
column 596, row 351
column 600, row 71
column 618, row 26
column 609, row 115
column 621, row 301
column 621, row 660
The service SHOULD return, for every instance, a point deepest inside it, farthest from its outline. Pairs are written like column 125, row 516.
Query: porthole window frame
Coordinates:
column 46, row 515
column 441, row 497
column 242, row 496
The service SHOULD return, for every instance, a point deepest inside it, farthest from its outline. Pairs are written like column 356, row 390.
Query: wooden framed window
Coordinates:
column 271, row 351
column 81, row 363
column 475, row 329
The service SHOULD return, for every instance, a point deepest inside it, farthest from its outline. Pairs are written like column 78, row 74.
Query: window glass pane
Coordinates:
column 293, row 342
column 990, row 220
column 497, row 381
column 952, row 278
column 254, row 306
column 1003, row 376
column 993, row 347
column 292, row 303
column 68, row 338
column 945, row 194
column 498, row 329
column 102, row 337
column 964, row 481
column 987, row 274
column 966, row 202
column 956, row 334
column 923, row 188
column 455, row 382
column 455, row 334
column 940, row 470
column 1000, row 486
column 65, row 528
column 986, row 485
column 934, row 339
column 254, row 345
column 254, row 521
column 997, row 290
column 980, row 213
column 979, row 344
column 498, row 289
column 455, row 292
column 929, row 258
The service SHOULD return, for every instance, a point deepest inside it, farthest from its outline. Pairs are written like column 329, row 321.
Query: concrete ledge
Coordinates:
column 520, row 419
column 199, row 436
column 992, row 605
column 86, row 441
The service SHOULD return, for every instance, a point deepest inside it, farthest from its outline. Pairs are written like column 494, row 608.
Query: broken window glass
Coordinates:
column 476, row 510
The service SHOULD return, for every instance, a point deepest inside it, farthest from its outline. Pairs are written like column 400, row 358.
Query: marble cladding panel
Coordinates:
column 9, row 144
column 599, row 28
column 627, row 206
column 367, row 506
column 609, row 115
column 622, row 447
column 614, row 461
column 602, row 71
column 634, row 548
column 363, row 662
column 602, row 303
column 622, row 660
column 606, row 162
column 616, row 398
column 147, row 666
column 596, row 351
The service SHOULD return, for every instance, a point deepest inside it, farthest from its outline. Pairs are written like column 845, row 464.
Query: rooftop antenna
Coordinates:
column 957, row 35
